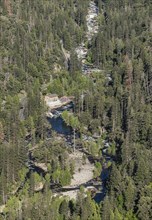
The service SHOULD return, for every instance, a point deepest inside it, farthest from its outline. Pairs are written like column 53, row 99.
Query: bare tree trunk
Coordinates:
column 74, row 141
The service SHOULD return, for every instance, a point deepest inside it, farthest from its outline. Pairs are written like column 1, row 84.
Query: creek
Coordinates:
column 57, row 122
column 92, row 30
column 59, row 126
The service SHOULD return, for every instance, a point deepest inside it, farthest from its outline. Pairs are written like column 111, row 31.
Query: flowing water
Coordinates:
column 57, row 123
column 92, row 30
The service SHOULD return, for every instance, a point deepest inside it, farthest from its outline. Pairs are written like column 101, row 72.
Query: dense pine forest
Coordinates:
column 38, row 41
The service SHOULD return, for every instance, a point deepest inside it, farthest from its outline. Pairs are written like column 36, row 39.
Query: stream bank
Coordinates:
column 85, row 176
column 92, row 30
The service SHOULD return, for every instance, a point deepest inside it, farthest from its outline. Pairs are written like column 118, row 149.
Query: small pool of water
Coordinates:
column 60, row 126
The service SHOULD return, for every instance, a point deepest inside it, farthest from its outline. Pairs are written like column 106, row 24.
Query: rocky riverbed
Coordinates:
column 83, row 174
column 92, row 29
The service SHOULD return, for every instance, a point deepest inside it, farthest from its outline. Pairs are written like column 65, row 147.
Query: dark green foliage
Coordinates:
column 36, row 40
